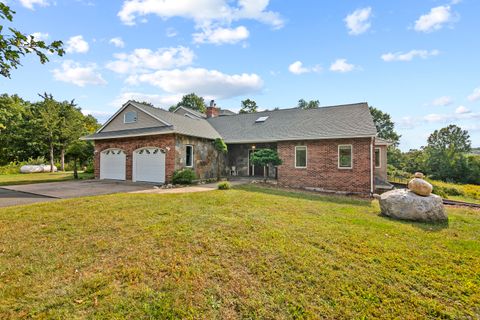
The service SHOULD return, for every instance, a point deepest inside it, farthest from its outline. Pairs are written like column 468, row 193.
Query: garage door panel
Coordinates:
column 149, row 165
column 113, row 164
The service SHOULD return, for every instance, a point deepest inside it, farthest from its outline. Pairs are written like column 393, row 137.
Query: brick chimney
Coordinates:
column 212, row 110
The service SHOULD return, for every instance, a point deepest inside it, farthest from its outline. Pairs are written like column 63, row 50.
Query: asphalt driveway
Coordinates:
column 41, row 192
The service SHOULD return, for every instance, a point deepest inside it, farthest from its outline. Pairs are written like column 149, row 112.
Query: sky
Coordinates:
column 417, row 60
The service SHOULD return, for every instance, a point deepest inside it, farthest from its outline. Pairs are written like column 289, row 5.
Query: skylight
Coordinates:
column 261, row 119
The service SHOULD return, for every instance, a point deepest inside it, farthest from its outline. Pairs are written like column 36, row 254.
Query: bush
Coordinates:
column 37, row 161
column 11, row 168
column 89, row 168
column 225, row 185
column 185, row 176
column 439, row 191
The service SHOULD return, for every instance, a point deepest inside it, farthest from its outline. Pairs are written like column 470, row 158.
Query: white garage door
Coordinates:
column 112, row 164
column 149, row 165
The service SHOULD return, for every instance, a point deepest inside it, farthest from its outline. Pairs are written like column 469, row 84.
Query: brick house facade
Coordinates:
column 188, row 135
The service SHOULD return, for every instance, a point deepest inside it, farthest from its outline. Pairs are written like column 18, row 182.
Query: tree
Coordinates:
column 16, row 45
column 265, row 157
column 446, row 151
column 248, row 106
column 221, row 148
column 192, row 101
column 71, row 127
column 13, row 110
column 385, row 126
column 312, row 104
column 79, row 151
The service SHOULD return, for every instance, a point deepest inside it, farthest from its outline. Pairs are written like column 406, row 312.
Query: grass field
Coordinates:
column 27, row 178
column 247, row 253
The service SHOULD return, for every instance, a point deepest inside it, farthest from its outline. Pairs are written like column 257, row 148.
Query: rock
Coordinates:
column 419, row 175
column 405, row 205
column 36, row 168
column 420, row 187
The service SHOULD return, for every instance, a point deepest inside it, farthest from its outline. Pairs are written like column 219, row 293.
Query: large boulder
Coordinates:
column 37, row 168
column 405, row 205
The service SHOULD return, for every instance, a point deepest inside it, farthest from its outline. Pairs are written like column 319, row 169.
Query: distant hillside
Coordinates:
column 476, row 151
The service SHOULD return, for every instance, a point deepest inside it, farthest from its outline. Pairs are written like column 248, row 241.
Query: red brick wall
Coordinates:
column 131, row 144
column 322, row 165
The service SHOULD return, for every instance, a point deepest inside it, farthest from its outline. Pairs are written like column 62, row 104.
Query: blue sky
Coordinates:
column 417, row 60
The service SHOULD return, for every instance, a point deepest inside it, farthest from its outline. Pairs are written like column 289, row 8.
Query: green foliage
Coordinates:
column 220, row 145
column 15, row 45
column 11, row 168
column 312, row 104
column 265, row 157
column 191, row 101
column 385, row 126
column 248, row 106
column 224, row 185
column 445, row 153
column 184, row 176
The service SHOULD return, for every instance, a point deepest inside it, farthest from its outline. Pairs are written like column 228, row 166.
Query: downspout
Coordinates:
column 371, row 165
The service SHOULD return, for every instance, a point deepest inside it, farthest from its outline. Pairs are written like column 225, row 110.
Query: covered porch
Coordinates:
column 238, row 160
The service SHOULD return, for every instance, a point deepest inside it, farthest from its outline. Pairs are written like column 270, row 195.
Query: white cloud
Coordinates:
column 442, row 101
column 77, row 44
column 210, row 83
column 117, row 42
column 358, row 21
column 408, row 56
column 298, row 68
column 171, row 32
column 462, row 110
column 78, row 74
column 144, row 60
column 221, row 35
column 30, row 4
column 406, row 122
column 341, row 65
column 213, row 18
column 435, row 19
column 475, row 95
column 157, row 100
column 40, row 36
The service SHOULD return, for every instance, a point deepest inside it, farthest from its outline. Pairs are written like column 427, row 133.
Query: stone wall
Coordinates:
column 322, row 170
column 204, row 156
column 129, row 145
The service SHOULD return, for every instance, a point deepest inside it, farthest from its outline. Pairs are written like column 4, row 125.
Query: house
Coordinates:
column 328, row 148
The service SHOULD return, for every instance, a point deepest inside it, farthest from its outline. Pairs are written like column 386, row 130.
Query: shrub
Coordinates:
column 439, row 191
column 89, row 168
column 11, row 168
column 184, row 176
column 37, row 161
column 225, row 185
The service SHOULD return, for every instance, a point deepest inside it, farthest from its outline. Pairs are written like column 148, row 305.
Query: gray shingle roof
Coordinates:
column 345, row 121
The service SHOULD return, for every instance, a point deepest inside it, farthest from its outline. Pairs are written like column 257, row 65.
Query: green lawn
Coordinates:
column 247, row 253
column 27, row 178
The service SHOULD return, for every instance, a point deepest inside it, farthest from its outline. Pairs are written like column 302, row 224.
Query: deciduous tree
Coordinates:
column 248, row 106
column 264, row 158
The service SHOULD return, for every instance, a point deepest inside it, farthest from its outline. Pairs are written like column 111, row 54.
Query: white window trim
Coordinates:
column 306, row 157
column 351, row 156
column 186, row 164
column 125, row 117
column 379, row 157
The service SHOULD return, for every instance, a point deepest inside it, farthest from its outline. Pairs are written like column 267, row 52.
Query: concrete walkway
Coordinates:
column 189, row 189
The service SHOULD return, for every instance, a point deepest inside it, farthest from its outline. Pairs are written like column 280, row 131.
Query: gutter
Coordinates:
column 372, row 145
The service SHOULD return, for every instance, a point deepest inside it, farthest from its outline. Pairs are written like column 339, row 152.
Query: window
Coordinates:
column 130, row 117
column 189, row 156
column 378, row 163
column 300, row 157
column 261, row 119
column 345, row 156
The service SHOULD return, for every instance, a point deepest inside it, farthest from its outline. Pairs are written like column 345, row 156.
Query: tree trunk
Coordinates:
column 51, row 157
column 265, row 174
column 75, row 172
column 62, row 159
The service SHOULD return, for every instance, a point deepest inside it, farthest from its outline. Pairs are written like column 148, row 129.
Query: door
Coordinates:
column 149, row 165
column 113, row 164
